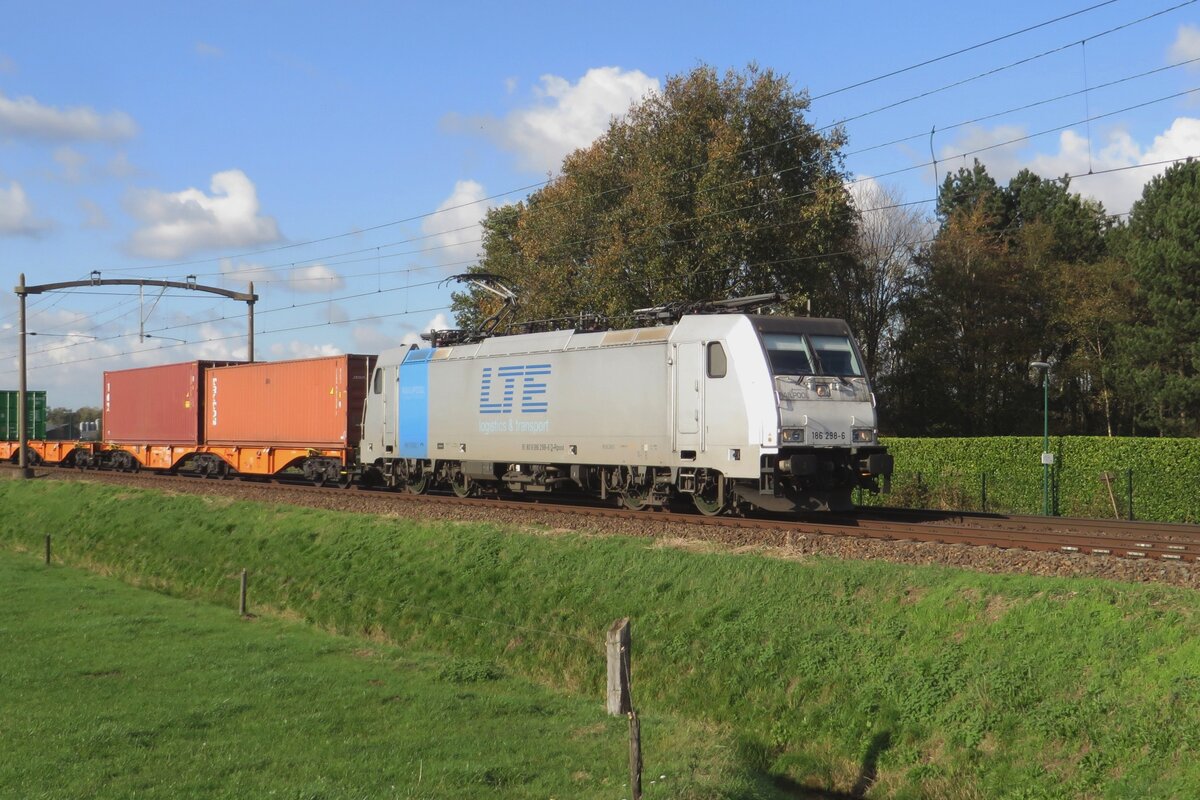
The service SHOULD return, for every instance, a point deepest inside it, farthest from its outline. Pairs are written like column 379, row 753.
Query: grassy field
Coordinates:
column 853, row 677
column 112, row 691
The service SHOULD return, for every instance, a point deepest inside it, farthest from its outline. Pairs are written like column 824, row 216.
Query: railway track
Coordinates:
column 1129, row 540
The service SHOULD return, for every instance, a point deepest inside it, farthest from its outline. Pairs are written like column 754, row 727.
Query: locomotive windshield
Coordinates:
column 797, row 354
column 789, row 354
column 836, row 356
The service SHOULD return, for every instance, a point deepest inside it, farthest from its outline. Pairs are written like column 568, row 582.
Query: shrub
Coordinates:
column 1163, row 474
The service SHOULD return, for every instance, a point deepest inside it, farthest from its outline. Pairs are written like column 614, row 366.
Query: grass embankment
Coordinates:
column 904, row 681
column 112, row 691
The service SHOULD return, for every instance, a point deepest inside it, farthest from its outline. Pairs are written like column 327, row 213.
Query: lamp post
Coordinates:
column 1047, row 456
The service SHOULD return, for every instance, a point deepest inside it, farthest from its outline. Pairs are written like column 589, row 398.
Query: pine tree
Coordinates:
column 1162, row 351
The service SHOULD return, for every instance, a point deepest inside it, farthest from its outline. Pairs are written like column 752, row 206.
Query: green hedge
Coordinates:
column 951, row 473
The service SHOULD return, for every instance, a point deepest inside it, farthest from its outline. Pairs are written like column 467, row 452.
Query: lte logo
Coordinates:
column 498, row 389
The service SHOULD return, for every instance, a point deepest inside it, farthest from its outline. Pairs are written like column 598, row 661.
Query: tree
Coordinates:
column 1099, row 306
column 869, row 285
column 716, row 187
column 1162, row 351
column 65, row 421
column 969, row 330
column 996, row 289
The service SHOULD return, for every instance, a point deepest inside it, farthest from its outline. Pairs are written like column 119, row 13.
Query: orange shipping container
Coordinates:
column 315, row 402
column 155, row 405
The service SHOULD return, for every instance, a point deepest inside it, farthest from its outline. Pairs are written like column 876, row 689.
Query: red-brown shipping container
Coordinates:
column 156, row 405
column 314, row 402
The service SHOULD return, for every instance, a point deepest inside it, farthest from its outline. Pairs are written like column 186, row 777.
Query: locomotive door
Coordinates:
column 389, row 396
column 689, row 397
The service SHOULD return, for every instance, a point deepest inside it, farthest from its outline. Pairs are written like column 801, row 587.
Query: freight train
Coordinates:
column 724, row 412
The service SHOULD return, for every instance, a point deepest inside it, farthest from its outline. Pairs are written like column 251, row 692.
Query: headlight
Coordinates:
column 791, row 436
column 864, row 435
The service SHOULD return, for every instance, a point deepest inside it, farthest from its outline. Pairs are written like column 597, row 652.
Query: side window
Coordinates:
column 378, row 387
column 717, row 366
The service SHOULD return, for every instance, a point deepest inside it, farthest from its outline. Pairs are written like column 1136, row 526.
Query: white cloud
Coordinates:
column 439, row 322
column 244, row 272
column 180, row 223
column 379, row 335
column 315, row 279
column 16, row 212
column 1116, row 190
column 1186, row 45
column 209, row 50
column 455, row 229
column 569, row 115
column 1001, row 161
column 337, row 313
column 298, row 349
column 94, row 216
column 72, row 163
column 26, row 117
column 119, row 166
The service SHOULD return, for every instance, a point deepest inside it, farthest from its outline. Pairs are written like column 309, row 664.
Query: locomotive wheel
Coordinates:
column 708, row 498
column 708, row 506
column 462, row 485
column 421, row 485
column 634, row 500
column 345, row 479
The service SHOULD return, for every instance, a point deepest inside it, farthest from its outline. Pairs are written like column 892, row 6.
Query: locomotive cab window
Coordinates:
column 378, row 387
column 836, row 356
column 717, row 364
column 788, row 353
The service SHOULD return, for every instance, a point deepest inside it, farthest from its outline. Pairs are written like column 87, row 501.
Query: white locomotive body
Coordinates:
column 725, row 410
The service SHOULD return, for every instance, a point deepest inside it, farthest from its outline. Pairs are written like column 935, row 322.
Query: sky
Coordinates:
column 342, row 155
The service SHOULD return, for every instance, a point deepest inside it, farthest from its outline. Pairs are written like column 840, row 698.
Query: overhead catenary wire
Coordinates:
column 539, row 184
column 326, row 259
column 727, row 211
column 458, row 244
column 374, row 317
column 684, row 241
column 959, row 52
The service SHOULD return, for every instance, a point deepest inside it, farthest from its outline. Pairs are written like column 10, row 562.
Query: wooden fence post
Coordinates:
column 617, row 645
column 242, row 599
column 635, row 756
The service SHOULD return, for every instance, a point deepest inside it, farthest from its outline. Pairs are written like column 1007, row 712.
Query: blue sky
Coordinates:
column 224, row 139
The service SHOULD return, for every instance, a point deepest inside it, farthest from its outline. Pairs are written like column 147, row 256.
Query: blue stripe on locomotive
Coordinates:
column 414, row 404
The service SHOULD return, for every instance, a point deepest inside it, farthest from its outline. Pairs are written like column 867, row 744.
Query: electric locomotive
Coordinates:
column 725, row 411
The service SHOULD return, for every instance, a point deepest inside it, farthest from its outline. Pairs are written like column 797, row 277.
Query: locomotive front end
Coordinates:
column 828, row 437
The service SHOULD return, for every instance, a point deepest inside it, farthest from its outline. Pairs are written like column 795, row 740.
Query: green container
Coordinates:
column 35, row 416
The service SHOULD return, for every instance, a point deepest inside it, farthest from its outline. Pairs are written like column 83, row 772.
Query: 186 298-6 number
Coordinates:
column 829, row 436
